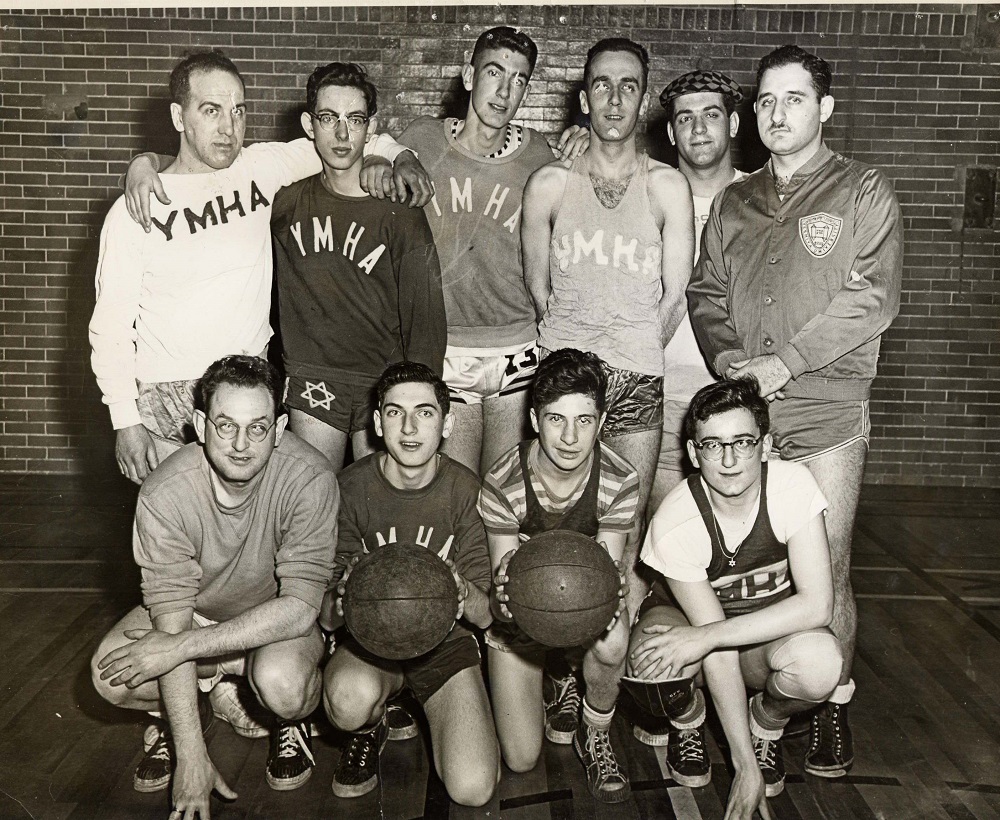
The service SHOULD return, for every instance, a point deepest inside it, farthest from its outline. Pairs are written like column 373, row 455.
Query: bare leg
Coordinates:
column 672, row 457
column 505, row 420
column 463, row 739
column 330, row 441
column 604, row 665
column 516, row 688
column 286, row 676
column 839, row 476
column 355, row 691
column 641, row 451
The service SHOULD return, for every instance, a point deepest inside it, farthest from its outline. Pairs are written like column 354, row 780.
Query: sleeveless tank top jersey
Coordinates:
column 581, row 517
column 755, row 574
column 604, row 267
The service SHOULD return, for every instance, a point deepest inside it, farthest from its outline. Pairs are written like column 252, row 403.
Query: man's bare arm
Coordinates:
column 541, row 196
column 670, row 196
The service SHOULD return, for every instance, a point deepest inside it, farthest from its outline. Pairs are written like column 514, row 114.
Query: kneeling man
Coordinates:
column 236, row 536
column 742, row 545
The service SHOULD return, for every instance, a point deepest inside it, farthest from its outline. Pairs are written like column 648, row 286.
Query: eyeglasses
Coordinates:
column 328, row 122
column 713, row 450
column 256, row 431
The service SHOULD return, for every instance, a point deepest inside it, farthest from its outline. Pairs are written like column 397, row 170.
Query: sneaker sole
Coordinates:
column 831, row 772
column 617, row 796
column 774, row 789
column 648, row 738
column 149, row 786
column 286, row 784
column 556, row 736
column 341, row 790
column 691, row 781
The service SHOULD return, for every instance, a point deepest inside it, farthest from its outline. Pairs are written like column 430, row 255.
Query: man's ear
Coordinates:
column 734, row 124
column 372, row 127
column 644, row 105
column 449, row 425
column 534, row 419
column 584, row 105
column 177, row 117
column 279, row 428
column 826, row 108
column 670, row 133
column 377, row 418
column 765, row 447
column 601, row 420
column 468, row 72
column 307, row 125
column 199, row 424
column 693, row 454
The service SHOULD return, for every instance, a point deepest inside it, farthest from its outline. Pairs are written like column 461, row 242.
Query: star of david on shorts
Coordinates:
column 317, row 395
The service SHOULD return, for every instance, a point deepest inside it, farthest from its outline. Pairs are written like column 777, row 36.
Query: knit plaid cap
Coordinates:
column 699, row 80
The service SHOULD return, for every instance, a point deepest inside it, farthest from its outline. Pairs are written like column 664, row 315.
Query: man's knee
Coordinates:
column 347, row 699
column 809, row 666
column 612, row 647
column 473, row 788
column 115, row 695
column 287, row 688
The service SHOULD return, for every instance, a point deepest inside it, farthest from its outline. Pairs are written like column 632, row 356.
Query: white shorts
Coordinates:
column 475, row 373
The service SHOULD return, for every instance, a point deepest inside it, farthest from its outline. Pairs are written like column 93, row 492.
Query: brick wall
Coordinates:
column 84, row 90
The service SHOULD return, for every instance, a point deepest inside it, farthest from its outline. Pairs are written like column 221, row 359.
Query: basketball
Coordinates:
column 563, row 588
column 400, row 601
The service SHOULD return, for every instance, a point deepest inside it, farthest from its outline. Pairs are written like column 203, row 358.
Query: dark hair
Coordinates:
column 506, row 37
column 618, row 44
column 720, row 397
column 180, row 77
column 412, row 373
column 566, row 372
column 349, row 75
column 242, row 371
column 818, row 68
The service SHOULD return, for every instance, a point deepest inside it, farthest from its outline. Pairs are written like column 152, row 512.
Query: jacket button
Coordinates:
column 773, row 260
column 768, row 300
column 768, row 343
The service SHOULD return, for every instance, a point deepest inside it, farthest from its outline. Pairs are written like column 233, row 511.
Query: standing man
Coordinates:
column 192, row 281
column 479, row 166
column 412, row 493
column 799, row 277
column 359, row 284
column 702, row 122
column 607, row 246
column 236, row 537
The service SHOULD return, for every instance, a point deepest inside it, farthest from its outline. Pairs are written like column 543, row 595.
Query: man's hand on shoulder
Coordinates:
column 141, row 182
column 395, row 181
column 572, row 142
column 135, row 453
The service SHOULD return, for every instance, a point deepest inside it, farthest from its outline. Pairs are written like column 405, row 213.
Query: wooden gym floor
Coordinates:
column 926, row 716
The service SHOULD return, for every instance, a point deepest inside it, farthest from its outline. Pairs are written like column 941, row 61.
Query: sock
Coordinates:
column 843, row 693
column 694, row 715
column 762, row 724
column 599, row 720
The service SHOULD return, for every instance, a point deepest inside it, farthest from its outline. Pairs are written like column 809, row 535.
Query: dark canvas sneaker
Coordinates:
column 687, row 757
column 606, row 781
column 831, row 744
column 357, row 771
column 290, row 760
column 562, row 709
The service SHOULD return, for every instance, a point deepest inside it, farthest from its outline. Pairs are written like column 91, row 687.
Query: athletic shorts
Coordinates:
column 167, row 408
column 509, row 637
column 635, row 402
column 425, row 674
column 658, row 595
column 806, row 428
column 234, row 663
column 473, row 374
column 673, row 454
column 344, row 401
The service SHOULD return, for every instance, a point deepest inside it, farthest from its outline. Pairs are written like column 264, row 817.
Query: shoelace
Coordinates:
column 291, row 741
column 766, row 752
column 828, row 721
column 599, row 746
column 567, row 696
column 160, row 750
column 691, row 747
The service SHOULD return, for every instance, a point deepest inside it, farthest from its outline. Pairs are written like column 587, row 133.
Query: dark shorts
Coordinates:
column 806, row 428
column 658, row 595
column 342, row 400
column 425, row 674
column 635, row 402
